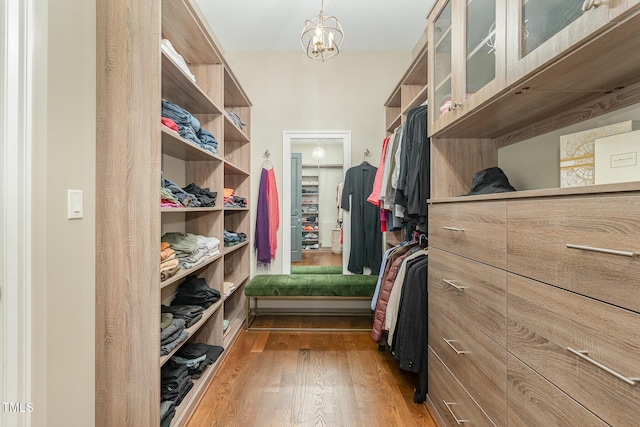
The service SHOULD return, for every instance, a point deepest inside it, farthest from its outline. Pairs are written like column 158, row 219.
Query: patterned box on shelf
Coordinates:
column 617, row 158
column 577, row 152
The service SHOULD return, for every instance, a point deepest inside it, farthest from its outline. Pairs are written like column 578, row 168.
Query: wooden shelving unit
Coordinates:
column 134, row 150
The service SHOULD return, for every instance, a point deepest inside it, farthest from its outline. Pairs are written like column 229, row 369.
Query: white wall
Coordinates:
column 292, row 92
column 63, row 275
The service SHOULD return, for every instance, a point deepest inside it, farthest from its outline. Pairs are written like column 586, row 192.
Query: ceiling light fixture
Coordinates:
column 322, row 36
column 318, row 152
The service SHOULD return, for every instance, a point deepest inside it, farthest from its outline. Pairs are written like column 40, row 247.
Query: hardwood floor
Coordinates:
column 300, row 378
column 319, row 257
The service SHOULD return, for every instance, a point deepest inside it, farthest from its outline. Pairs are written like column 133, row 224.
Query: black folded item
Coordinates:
column 195, row 350
column 491, row 180
column 195, row 291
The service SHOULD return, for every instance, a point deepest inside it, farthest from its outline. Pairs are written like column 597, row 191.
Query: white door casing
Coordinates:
column 16, row 112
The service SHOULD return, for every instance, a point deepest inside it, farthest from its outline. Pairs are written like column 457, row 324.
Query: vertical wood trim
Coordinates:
column 127, row 212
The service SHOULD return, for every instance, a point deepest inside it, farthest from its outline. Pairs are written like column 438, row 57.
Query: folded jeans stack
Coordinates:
column 190, row 313
column 189, row 127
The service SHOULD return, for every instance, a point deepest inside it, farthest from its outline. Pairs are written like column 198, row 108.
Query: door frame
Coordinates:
column 287, row 137
column 17, row 44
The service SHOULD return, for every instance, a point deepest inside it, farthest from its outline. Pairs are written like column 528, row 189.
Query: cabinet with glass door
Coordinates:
column 467, row 57
column 540, row 31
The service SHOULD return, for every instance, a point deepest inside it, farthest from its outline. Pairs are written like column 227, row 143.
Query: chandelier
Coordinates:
column 322, row 36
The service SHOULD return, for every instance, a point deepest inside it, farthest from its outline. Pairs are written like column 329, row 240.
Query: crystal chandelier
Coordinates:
column 322, row 36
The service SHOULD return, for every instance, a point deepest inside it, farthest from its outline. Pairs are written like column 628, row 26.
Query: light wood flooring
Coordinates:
column 300, row 378
column 319, row 257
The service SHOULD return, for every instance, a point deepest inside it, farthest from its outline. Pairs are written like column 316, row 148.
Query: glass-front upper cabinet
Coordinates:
column 467, row 48
column 539, row 31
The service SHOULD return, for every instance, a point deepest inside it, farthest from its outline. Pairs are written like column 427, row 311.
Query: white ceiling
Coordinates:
column 275, row 25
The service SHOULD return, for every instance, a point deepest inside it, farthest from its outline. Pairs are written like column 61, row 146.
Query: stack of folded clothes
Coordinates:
column 232, row 238
column 189, row 127
column 195, row 291
column 190, row 249
column 175, row 382
column 196, row 357
column 206, row 197
column 189, row 313
column 184, row 198
column 172, row 332
column 171, row 195
column 231, row 200
column 169, row 264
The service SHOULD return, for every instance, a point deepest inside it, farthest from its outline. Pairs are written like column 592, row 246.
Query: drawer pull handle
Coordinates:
column 454, row 349
column 453, row 228
column 448, row 406
column 602, row 250
column 450, row 283
column 588, row 4
column 583, row 355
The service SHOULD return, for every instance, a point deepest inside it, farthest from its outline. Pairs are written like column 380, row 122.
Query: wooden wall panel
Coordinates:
column 127, row 219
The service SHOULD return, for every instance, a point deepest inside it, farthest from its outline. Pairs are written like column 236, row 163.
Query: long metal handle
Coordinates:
column 602, row 250
column 450, row 283
column 583, row 355
column 588, row 4
column 453, row 228
column 454, row 349
column 448, row 406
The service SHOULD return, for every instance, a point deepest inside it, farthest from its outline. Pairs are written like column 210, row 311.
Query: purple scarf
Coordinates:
column 261, row 241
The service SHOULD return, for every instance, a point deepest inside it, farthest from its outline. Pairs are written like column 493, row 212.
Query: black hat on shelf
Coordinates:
column 491, row 180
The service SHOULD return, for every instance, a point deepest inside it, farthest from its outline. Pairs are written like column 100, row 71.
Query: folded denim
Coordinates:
column 206, row 137
column 187, row 199
column 205, row 197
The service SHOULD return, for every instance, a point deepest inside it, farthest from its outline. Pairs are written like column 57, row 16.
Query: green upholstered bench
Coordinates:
column 316, row 269
column 311, row 286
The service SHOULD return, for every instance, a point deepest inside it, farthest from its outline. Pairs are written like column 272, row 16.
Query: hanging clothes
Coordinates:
column 273, row 208
column 261, row 242
column 410, row 338
column 366, row 238
column 413, row 185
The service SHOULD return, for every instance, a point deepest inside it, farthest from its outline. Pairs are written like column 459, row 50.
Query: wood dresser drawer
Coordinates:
column 475, row 291
column 473, row 230
column 535, row 402
column 478, row 362
column 546, row 323
column 538, row 232
column 452, row 403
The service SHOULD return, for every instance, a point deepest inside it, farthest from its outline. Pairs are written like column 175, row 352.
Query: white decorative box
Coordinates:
column 617, row 158
column 577, row 161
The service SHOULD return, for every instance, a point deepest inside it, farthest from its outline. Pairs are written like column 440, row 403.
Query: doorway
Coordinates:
column 324, row 157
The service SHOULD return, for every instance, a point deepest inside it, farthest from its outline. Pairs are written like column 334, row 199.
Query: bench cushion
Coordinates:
column 316, row 269
column 305, row 285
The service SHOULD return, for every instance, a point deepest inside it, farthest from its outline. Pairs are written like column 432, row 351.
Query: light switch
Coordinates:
column 74, row 204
